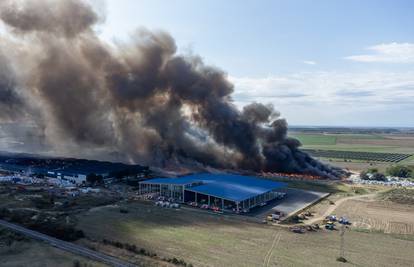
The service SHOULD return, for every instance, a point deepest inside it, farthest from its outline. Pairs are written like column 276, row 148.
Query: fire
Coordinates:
column 293, row 176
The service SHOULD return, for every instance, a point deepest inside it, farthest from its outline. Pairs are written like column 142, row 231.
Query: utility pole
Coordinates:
column 341, row 257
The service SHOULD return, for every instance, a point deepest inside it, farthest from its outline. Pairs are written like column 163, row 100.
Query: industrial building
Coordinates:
column 225, row 191
column 74, row 178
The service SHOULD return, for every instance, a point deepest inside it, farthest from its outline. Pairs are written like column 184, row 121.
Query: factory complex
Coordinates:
column 226, row 192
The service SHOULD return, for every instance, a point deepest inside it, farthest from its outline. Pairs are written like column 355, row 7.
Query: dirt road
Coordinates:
column 269, row 254
column 333, row 207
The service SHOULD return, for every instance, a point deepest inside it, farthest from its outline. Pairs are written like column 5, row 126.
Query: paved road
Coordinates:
column 73, row 248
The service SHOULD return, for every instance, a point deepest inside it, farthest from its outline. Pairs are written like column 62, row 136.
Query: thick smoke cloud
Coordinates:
column 66, row 18
column 140, row 101
column 10, row 100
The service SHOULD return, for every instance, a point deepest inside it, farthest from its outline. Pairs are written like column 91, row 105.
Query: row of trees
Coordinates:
column 92, row 178
column 395, row 171
column 400, row 171
column 373, row 174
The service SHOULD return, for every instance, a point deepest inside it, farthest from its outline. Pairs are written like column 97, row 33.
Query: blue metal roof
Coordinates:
column 227, row 186
column 177, row 181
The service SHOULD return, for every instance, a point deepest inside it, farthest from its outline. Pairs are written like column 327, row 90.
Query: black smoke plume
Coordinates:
column 138, row 100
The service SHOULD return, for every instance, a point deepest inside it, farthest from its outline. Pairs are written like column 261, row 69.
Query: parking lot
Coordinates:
column 294, row 201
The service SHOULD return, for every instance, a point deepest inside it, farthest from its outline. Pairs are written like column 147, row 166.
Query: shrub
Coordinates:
column 142, row 251
column 341, row 259
column 399, row 171
column 123, row 210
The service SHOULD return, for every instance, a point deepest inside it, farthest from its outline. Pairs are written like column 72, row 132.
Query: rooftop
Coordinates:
column 226, row 186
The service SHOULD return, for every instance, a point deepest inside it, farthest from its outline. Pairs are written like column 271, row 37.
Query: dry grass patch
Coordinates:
column 208, row 240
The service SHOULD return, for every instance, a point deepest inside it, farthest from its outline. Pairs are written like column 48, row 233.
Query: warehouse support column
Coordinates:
column 237, row 206
column 222, row 204
column 209, row 200
column 195, row 197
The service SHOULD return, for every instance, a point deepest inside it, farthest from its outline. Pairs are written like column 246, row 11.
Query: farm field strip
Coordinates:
column 315, row 139
column 370, row 156
column 380, row 143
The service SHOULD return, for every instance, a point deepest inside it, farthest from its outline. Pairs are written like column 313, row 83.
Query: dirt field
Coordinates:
column 373, row 212
column 387, row 217
column 212, row 240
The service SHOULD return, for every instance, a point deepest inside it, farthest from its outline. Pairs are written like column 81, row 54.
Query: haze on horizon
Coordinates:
column 331, row 63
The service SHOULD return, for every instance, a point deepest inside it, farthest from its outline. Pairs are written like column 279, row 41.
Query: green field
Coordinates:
column 377, row 143
column 315, row 139
column 361, row 148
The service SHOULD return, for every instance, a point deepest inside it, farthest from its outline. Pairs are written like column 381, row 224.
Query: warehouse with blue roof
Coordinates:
column 224, row 191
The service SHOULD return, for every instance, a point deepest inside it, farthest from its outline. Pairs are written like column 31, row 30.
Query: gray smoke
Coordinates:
column 140, row 101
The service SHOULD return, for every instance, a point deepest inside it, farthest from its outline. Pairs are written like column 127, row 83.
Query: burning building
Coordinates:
column 138, row 101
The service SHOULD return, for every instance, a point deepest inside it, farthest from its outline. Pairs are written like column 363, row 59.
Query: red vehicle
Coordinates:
column 215, row 209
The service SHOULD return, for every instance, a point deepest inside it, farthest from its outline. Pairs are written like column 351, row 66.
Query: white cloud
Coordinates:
column 309, row 62
column 388, row 53
column 333, row 97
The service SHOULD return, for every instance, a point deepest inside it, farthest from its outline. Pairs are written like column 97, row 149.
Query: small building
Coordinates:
column 74, row 178
column 225, row 191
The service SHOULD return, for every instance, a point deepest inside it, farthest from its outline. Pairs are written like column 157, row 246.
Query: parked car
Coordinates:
column 332, row 218
column 175, row 205
column 343, row 220
column 330, row 226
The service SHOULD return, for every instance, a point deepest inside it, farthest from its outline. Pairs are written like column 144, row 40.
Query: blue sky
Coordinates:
column 318, row 62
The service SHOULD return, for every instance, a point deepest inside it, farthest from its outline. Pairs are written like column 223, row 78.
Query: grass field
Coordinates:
column 400, row 196
column 315, row 139
column 356, row 142
column 212, row 240
column 37, row 254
